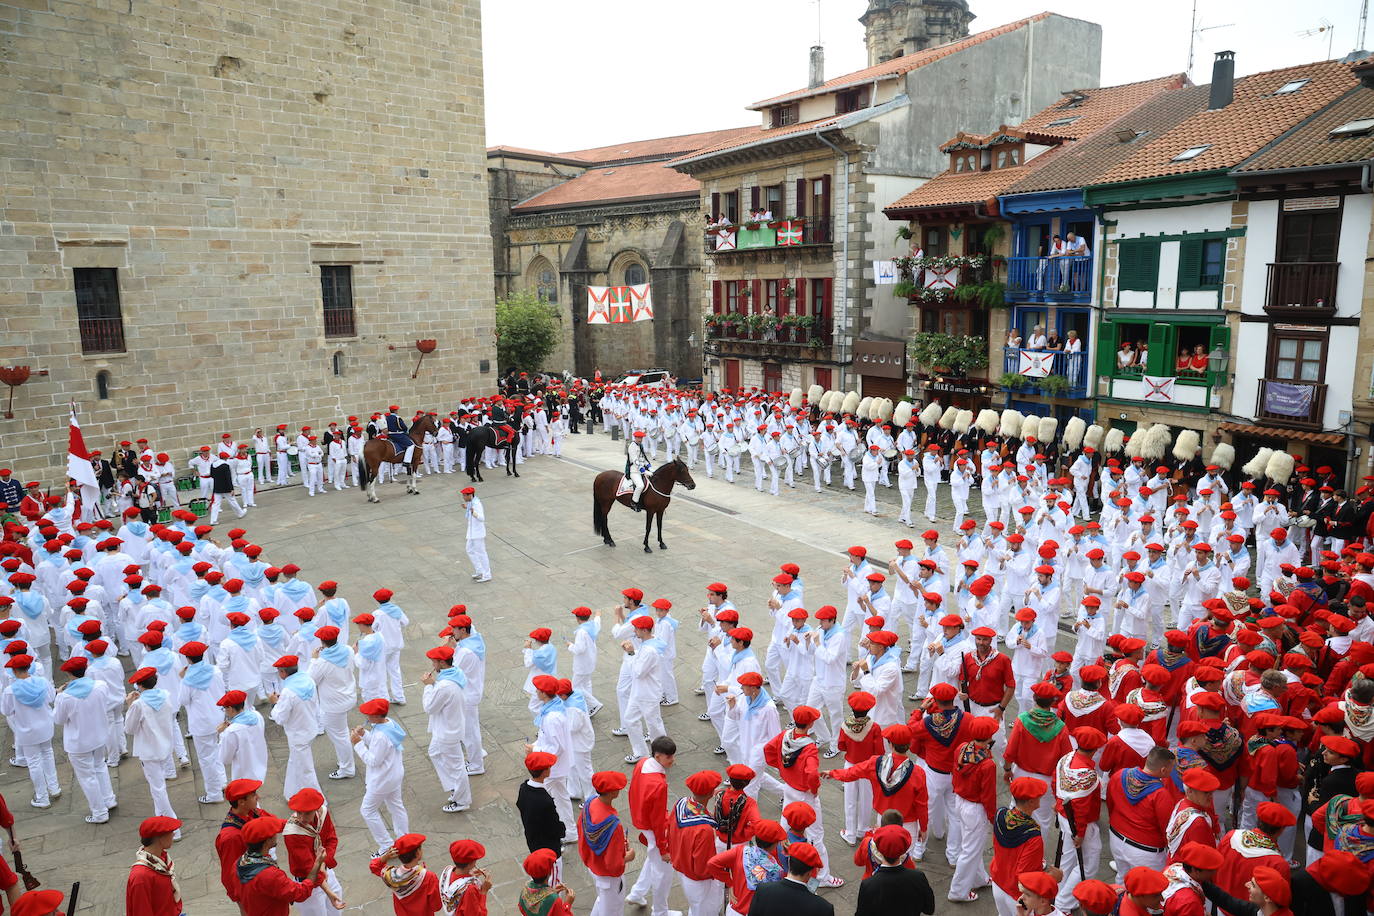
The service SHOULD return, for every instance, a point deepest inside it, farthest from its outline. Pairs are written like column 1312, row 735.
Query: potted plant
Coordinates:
column 1054, row 385
column 746, row 292
column 1012, row 380
column 903, row 232
column 905, row 290
column 815, row 343
column 806, row 321
column 789, row 291
column 954, row 354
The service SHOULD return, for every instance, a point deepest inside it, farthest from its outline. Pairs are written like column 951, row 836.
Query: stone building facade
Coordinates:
column 611, row 216
column 229, row 215
column 894, row 28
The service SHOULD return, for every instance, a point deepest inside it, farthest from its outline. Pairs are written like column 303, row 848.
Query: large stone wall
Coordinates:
column 216, row 153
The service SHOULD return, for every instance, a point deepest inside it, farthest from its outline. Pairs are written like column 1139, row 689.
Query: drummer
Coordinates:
column 881, row 436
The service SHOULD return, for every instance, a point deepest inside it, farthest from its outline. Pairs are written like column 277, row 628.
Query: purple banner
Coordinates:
column 1288, row 400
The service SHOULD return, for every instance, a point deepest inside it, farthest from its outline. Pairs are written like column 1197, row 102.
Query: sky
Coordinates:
column 564, row 75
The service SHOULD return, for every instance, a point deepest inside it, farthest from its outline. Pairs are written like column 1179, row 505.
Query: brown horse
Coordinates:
column 657, row 496
column 380, row 451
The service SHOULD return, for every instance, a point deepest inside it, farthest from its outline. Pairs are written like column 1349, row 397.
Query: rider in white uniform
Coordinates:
column 637, row 467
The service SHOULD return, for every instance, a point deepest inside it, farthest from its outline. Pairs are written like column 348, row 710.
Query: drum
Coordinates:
column 734, row 451
column 890, row 454
column 709, row 447
column 692, row 435
column 854, row 453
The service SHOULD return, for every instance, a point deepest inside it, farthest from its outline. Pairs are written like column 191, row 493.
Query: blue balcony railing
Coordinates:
column 1035, row 365
column 1067, row 279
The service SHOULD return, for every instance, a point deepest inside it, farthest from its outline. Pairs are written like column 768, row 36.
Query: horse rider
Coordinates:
column 637, row 467
column 397, row 433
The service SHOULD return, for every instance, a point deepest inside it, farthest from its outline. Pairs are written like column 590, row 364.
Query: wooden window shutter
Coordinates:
column 1106, row 348
column 754, row 197
column 715, row 296
column 823, row 308
column 799, row 303
column 758, row 295
column 825, row 197
column 1128, row 265
column 1160, row 360
column 715, row 205
column 801, row 197
column 1190, row 264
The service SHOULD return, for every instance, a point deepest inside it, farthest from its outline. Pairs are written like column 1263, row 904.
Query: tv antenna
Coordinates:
column 1364, row 21
column 1324, row 25
column 1196, row 30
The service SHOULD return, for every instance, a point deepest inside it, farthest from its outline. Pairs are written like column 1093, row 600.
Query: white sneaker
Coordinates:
column 637, row 901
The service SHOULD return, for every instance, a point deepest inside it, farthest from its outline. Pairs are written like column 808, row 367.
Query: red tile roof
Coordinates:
column 1312, row 144
column 637, row 181
column 760, row 135
column 662, row 148
column 1254, row 118
column 951, row 189
column 900, row 65
column 1099, row 107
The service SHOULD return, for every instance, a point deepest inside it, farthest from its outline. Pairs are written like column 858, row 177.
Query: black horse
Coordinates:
column 475, row 440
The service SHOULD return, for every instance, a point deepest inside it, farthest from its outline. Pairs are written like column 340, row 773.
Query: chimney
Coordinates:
column 817, row 67
column 1223, row 80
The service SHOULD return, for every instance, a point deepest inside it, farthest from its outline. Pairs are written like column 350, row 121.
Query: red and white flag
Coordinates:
column 78, row 459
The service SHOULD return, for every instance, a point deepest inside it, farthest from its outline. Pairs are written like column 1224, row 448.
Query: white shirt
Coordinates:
column 243, row 751
column 443, row 700
column 30, row 724
column 298, row 717
column 203, row 715
column 84, row 720
column 553, row 738
column 477, row 519
column 151, row 729
column 385, row 766
column 338, row 691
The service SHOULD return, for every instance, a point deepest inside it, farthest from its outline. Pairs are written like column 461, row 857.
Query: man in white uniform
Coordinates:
column 443, row 702
column 477, row 535
column 82, row 709
column 332, row 670
column 297, row 710
column 378, row 745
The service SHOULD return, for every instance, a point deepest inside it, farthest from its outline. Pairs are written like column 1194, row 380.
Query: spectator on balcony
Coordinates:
column 770, row 323
column 1075, row 246
column 1125, row 357
column 1181, row 364
column 1142, row 354
column 1013, row 339
column 1037, row 338
column 1073, row 355
column 1052, row 342
column 1050, row 269
column 1197, row 364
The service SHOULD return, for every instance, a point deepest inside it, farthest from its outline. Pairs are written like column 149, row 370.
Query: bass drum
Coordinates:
column 734, row 451
column 891, row 454
column 692, row 435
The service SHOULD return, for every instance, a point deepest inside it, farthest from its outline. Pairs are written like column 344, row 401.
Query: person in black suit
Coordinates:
column 791, row 896
column 1333, row 885
column 1339, row 780
column 894, row 890
column 538, row 813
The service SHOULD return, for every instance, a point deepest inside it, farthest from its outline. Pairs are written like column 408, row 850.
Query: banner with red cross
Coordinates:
column 725, row 239
column 1036, row 363
column 789, row 232
column 942, row 277
column 619, row 304
column 1159, row 389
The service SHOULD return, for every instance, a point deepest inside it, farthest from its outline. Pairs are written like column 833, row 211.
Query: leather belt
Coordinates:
column 1130, row 842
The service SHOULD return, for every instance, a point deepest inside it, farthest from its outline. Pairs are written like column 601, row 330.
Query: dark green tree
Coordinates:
column 527, row 330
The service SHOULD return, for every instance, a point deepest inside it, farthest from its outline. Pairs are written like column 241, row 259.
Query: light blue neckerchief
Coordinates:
column 199, row 675
column 452, row 674
column 249, row 717
column 657, row 645
column 592, row 627
column 244, row 638
column 155, row 697
column 30, row 602
column 236, row 604
column 336, row 609
column 393, row 732
column 827, row 634
column 371, row 647
column 301, row 685
column 757, row 704
column 545, row 659
column 746, row 652
column 391, row 609
column 575, row 700
column 160, row 658
column 336, row 655
column 272, row 635
column 196, row 591
column 137, row 529
column 553, row 705
column 190, row 631
column 31, row 691
column 891, row 656
column 253, row 573
column 80, row 688
column 294, row 589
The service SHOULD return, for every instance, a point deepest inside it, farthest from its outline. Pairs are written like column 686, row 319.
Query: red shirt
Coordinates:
column 1172, row 690
column 1128, row 679
column 749, row 815
column 611, row 862
column 1141, row 821
column 908, row 797
column 935, row 738
column 230, row 847
column 975, row 779
column 648, row 798
column 1087, row 809
column 728, row 867
column 804, row 774
column 149, row 894
column 1237, row 867
column 1032, row 755
column 857, row 750
column 989, row 681
column 1117, row 755
column 691, row 839
column 866, row 855
column 1017, row 847
column 271, row 892
column 1102, row 717
column 300, row 848
column 1200, row 830
column 1186, row 901
column 423, row 901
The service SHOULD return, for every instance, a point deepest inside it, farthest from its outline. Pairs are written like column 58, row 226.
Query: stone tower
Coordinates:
column 893, row 28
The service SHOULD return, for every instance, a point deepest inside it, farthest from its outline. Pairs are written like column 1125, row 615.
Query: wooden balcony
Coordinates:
column 777, row 237
column 1299, row 405
column 1067, row 279
column 1302, row 289
column 785, row 344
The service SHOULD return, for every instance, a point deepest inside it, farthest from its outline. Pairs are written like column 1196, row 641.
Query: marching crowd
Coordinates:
column 1216, row 704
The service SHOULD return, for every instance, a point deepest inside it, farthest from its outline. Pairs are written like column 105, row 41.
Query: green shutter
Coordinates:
column 1160, row 360
column 1127, row 264
column 1106, row 348
column 1190, row 264
column 1220, row 337
column 1149, row 266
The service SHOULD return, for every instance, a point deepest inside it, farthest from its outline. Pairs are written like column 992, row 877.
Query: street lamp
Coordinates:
column 1218, row 361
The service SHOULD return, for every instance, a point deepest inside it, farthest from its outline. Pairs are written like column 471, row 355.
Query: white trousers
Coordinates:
column 609, row 902
column 211, row 767
column 336, row 727
column 248, row 489
column 42, row 769
column 300, row 767
column 117, row 743
column 1092, row 858
column 704, row 898
column 371, row 811
column 314, row 478
column 643, row 717
column 815, row 834
column 830, row 701
column 264, row 465
column 583, row 684
column 477, row 553
column 1044, row 813
column 1128, row 857
column 395, row 683
column 155, row 773
column 94, row 778
column 655, row 878
column 317, row 904
column 336, row 473
column 562, row 803
column 283, row 469
column 472, row 740
column 452, row 769
column 1005, row 903
column 973, row 829
column 870, row 497
column 930, row 499
column 858, row 807
column 939, row 789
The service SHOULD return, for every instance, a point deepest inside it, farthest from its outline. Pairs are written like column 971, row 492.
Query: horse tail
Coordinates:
column 364, row 478
column 598, row 517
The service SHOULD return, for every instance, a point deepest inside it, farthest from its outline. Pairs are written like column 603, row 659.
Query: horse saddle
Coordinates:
column 504, row 434
column 625, row 486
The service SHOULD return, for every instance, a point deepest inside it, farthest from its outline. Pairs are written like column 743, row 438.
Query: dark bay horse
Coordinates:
column 380, row 451
column 657, row 496
column 484, row 437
